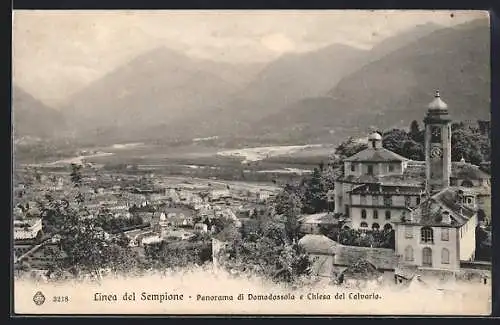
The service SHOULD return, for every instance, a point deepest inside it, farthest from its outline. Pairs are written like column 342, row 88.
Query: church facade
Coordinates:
column 432, row 205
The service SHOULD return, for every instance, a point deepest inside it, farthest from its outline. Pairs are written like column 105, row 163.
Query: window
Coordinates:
column 387, row 200
column 363, row 225
column 427, row 256
column 426, row 235
column 353, row 167
column 370, row 170
column 391, row 168
column 363, row 214
column 445, row 256
column 375, row 226
column 445, row 234
column 409, row 253
column 469, row 200
column 408, row 232
column 407, row 201
column 375, row 214
column 387, row 215
column 387, row 227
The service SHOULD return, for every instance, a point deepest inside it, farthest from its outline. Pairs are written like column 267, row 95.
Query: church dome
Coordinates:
column 375, row 136
column 437, row 103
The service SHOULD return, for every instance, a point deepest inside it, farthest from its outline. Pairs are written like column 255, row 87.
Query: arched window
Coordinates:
column 375, row 226
column 387, row 227
column 375, row 214
column 387, row 215
column 427, row 257
column 445, row 256
column 363, row 214
column 409, row 253
column 426, row 235
column 363, row 225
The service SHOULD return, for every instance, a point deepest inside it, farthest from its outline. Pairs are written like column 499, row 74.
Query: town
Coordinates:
column 388, row 219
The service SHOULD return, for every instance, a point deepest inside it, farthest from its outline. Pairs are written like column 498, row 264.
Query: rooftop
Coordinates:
column 376, row 155
column 387, row 189
column 323, row 217
column 318, row 244
column 414, row 174
column 431, row 211
column 437, row 103
column 381, row 258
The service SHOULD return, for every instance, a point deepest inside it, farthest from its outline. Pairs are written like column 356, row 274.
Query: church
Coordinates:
column 431, row 205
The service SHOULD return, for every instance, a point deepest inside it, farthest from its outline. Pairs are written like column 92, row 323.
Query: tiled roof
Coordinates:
column 430, row 211
column 387, row 189
column 381, row 258
column 414, row 174
column 406, row 271
column 376, row 155
column 323, row 217
column 318, row 244
column 361, row 270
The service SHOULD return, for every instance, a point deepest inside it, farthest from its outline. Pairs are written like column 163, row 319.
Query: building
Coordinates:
column 441, row 232
column 29, row 229
column 316, row 223
column 378, row 187
column 434, row 205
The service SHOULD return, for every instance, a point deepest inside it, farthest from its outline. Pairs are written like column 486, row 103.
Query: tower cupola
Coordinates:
column 375, row 140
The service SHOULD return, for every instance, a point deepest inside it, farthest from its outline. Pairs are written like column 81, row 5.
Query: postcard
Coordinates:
column 330, row 162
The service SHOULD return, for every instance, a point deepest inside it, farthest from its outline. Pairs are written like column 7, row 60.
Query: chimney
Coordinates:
column 446, row 219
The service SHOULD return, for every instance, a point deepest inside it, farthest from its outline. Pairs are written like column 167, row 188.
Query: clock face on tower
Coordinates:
column 436, row 152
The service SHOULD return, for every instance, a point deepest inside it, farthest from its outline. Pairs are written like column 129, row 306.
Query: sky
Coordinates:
column 58, row 53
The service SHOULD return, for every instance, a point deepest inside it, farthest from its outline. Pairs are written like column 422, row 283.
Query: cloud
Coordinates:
column 57, row 53
column 278, row 42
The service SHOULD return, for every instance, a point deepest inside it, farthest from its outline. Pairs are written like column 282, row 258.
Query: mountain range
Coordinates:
column 321, row 95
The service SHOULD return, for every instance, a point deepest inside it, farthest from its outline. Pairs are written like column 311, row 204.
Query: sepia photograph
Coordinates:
column 251, row 162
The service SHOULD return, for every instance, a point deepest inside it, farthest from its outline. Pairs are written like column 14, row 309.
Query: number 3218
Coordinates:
column 60, row 299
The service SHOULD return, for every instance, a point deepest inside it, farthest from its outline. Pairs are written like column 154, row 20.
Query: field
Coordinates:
column 263, row 164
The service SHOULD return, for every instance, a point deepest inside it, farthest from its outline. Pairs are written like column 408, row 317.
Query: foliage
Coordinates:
column 402, row 143
column 467, row 142
column 272, row 254
column 181, row 254
column 363, row 238
column 85, row 248
column 115, row 224
column 349, row 148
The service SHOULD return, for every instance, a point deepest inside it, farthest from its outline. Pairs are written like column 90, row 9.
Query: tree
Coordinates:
column 315, row 193
column 271, row 255
column 349, row 148
column 76, row 174
column 84, row 247
column 414, row 129
column 466, row 145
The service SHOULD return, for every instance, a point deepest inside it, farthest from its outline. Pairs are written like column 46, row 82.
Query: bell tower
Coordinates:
column 437, row 145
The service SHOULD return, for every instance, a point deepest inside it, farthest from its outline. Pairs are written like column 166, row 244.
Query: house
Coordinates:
column 316, row 223
column 28, row 229
column 377, row 206
column 441, row 232
column 201, row 227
